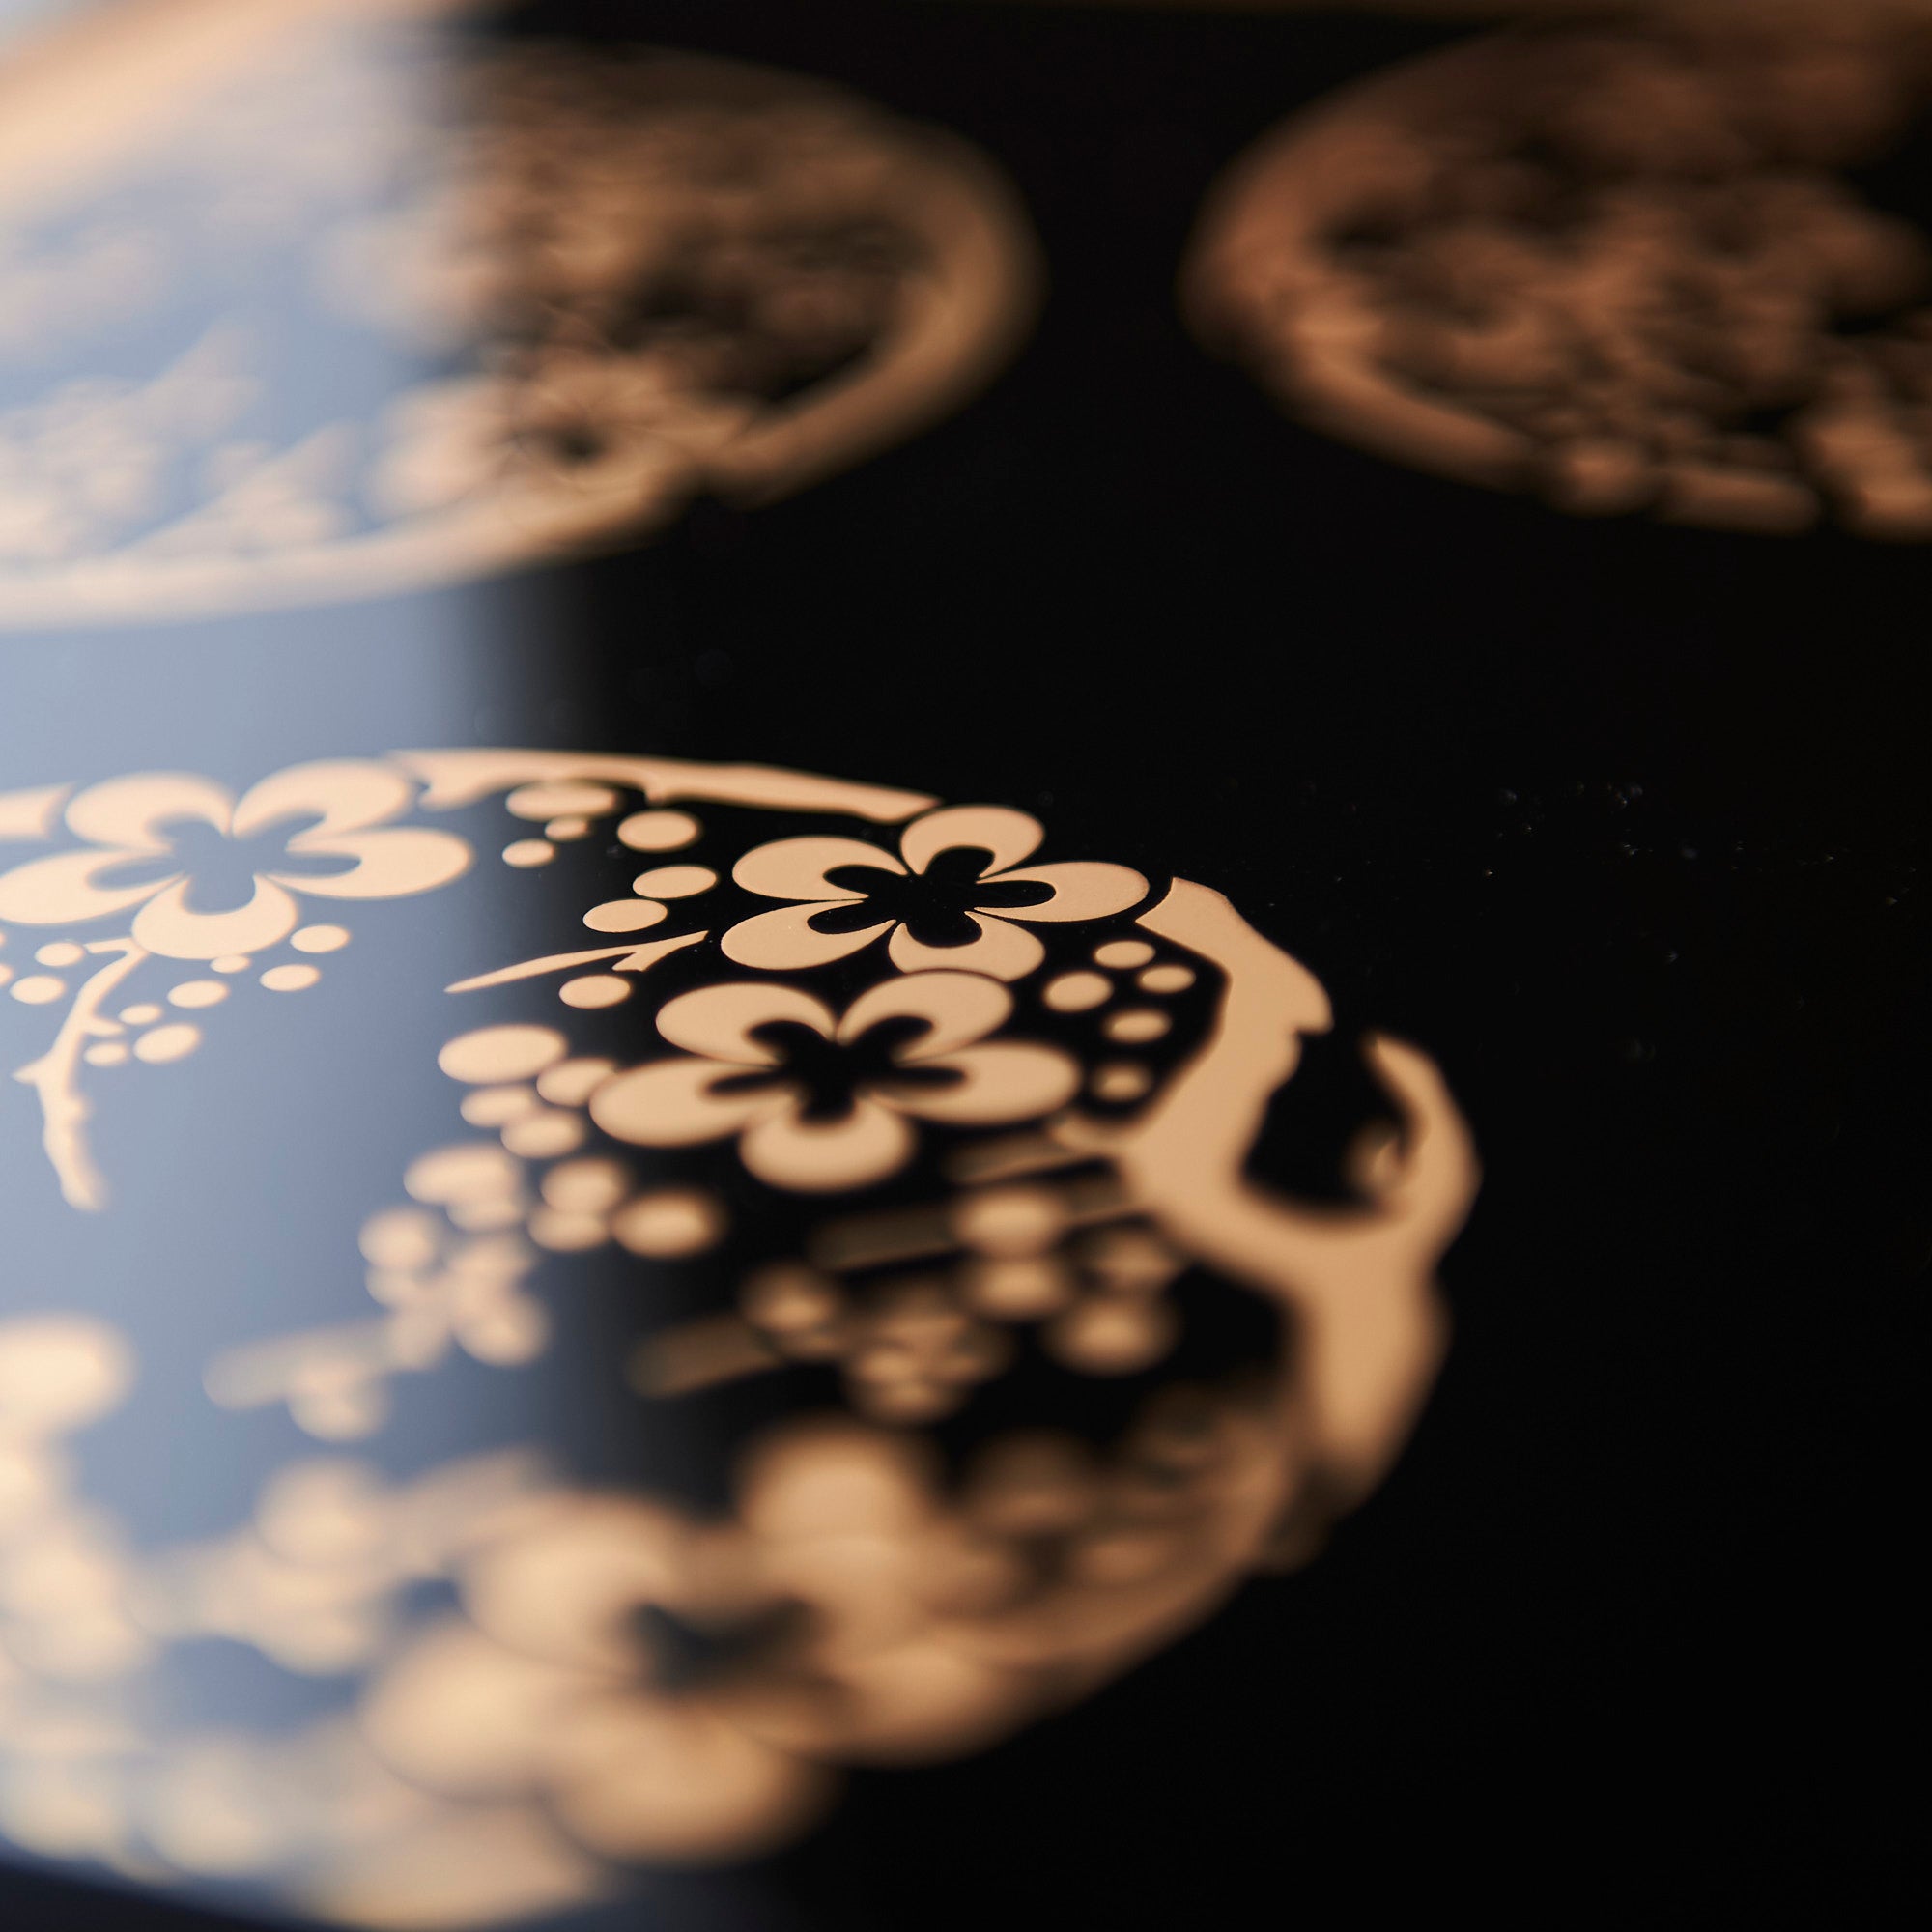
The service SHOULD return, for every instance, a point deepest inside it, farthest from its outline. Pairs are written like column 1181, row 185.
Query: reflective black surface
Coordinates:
column 1623, row 823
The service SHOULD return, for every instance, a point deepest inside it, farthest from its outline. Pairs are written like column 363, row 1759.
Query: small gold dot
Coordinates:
column 568, row 1234
column 37, row 989
column 1018, row 1290
column 193, row 993
column 231, row 962
column 291, row 978
column 550, row 799
column 1113, row 1338
column 672, row 1222
column 543, row 1136
column 1121, row 1081
column 59, row 952
column 492, row 1055
column 658, row 831
column 167, row 1043
column 319, row 939
column 1136, row 1028
column 524, row 853
column 486, row 1216
column 6, row 974
column 476, row 1171
column 574, row 1081
column 675, row 882
column 789, row 1299
column 109, row 1053
column 494, row 1106
column 1078, row 992
column 144, row 1014
column 507, row 1336
column 623, row 914
column 564, row 829
column 1010, row 1222
column 594, row 989
column 1166, row 979
column 587, row 1186
column 1123, row 954
column 399, row 1237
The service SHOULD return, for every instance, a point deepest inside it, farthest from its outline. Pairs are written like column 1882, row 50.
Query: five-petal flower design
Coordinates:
column 948, row 898
column 319, row 829
column 821, row 1102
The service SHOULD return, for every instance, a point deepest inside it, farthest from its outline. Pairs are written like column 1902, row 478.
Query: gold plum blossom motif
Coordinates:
column 948, row 900
column 819, row 1102
column 156, row 845
column 322, row 829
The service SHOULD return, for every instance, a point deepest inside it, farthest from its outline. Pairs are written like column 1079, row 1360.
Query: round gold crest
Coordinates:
column 920, row 1158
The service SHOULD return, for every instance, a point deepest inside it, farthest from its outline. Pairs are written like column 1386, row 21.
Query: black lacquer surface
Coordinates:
column 1625, row 824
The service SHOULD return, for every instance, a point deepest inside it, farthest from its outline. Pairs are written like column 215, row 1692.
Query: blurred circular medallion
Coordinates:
column 1675, row 267
column 339, row 297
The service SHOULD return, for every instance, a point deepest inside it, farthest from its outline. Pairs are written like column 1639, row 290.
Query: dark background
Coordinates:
column 1624, row 823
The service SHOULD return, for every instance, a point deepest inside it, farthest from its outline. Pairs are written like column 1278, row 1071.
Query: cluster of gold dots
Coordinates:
column 565, row 809
column 568, row 809
column 502, row 1065
column 157, row 1044
column 640, row 914
column 589, row 1203
column 434, row 1284
column 480, row 1187
column 913, row 1349
column 43, row 990
column 1086, row 991
column 910, row 1353
column 524, row 1083
column 1114, row 1521
column 1098, row 1293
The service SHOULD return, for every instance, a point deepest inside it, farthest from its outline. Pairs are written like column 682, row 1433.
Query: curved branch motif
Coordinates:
column 1358, row 1281
column 65, row 1110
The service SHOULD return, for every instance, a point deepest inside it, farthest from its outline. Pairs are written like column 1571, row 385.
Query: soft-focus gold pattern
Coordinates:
column 1629, row 268
column 619, row 1678
column 599, row 283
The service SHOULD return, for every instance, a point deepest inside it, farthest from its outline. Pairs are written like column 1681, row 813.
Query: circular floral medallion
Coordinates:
column 1631, row 269
column 352, row 304
column 895, row 1183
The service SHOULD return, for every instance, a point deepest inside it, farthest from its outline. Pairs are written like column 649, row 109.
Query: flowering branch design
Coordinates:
column 158, row 844
column 156, row 848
